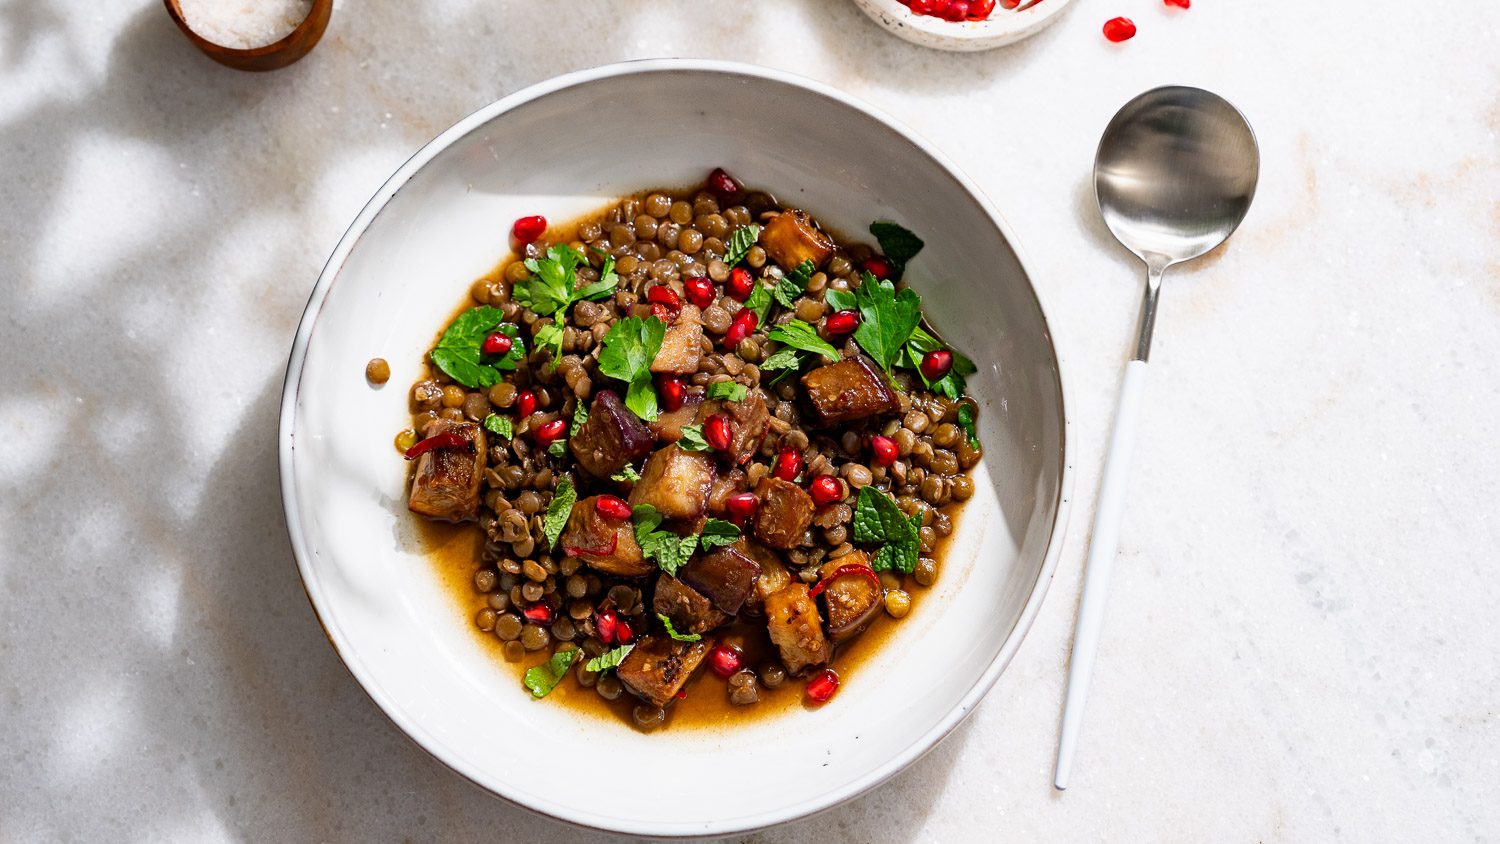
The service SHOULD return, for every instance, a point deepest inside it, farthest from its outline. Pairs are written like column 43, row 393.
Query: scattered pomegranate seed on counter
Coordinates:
column 672, row 392
column 725, row 661
column 884, row 449
column 842, row 322
column 742, row 506
column 788, row 464
column 528, row 229
column 551, row 432
column 496, row 344
column 700, row 291
column 526, row 403
column 936, row 363
column 825, row 489
column 612, row 507
column 717, row 432
column 822, row 685
column 1119, row 29
column 741, row 284
column 1181, row 4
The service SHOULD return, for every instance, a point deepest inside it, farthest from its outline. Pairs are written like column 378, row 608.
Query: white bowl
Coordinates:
column 563, row 147
column 1005, row 26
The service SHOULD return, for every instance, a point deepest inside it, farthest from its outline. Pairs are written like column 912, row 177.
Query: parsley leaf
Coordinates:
column 626, row 475
column 717, row 533
column 543, row 678
column 458, row 352
column 759, row 301
column 670, row 551
column 966, row 421
column 550, row 289
column 500, row 426
column 604, row 287
column 801, row 335
column 580, row 416
column 785, row 359
column 550, row 337
column 672, row 631
column 739, row 243
column 898, row 245
column 609, row 659
column 840, row 300
column 877, row 518
column 888, row 319
column 726, row 390
column 953, row 385
column 558, row 511
column 794, row 284
column 629, row 348
column 692, row 439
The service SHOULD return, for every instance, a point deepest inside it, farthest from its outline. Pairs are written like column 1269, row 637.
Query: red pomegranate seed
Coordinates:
column 842, row 322
column 788, row 464
column 551, row 432
column 880, row 267
column 744, row 323
column 623, row 632
column 526, row 403
column 725, row 661
column 936, row 363
column 1181, row 4
column 663, row 295
column 955, row 11
column 496, row 344
column 926, row 7
column 700, row 291
column 742, row 506
column 741, row 284
column 717, row 431
column 722, row 183
column 540, row 613
column 825, row 489
column 884, row 449
column 528, row 229
column 822, row 685
column 612, row 507
column 605, row 623
column 980, row 9
column 1119, row 29
column 672, row 392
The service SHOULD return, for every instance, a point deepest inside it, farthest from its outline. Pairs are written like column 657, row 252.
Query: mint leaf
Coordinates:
column 739, row 243
column 500, row 426
column 550, row 289
column 877, row 518
column 563, row 499
column 801, row 335
column 542, row 679
column 609, row 659
column 785, row 359
column 898, row 245
column 888, row 319
column 626, row 475
column 717, row 533
column 670, row 551
column 794, row 284
column 759, row 301
column 580, row 416
column 629, row 348
column 726, row 390
column 558, row 448
column 550, row 337
column 672, row 631
column 966, row 421
column 458, row 352
column 692, row 439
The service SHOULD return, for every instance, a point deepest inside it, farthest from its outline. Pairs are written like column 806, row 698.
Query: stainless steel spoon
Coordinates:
column 1174, row 175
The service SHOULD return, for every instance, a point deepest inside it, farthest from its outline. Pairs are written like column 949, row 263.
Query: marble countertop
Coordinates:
column 1301, row 641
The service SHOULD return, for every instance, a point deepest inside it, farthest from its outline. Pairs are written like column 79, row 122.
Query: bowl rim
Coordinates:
column 411, row 727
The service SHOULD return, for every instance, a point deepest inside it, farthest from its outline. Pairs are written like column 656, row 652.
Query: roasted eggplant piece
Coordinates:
column 676, row 483
column 606, row 544
column 725, row 575
column 851, row 593
column 773, row 573
column 690, row 610
column 445, row 485
column 659, row 666
column 682, row 347
column 791, row 237
column 669, row 424
column 611, row 438
column 748, row 422
column 848, row 390
column 796, row 629
column 785, row 512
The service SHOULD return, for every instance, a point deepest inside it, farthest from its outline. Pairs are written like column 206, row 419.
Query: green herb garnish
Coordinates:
column 609, row 659
column 739, row 243
column 692, row 439
column 887, row 319
column 629, row 348
column 953, row 385
column 670, row 551
column 877, row 518
column 554, row 278
column 500, row 426
column 759, row 301
column 672, row 631
column 543, row 678
column 626, row 475
column 898, row 245
column 794, row 284
column 580, row 416
column 717, row 533
column 558, row 448
column 787, row 359
column 459, row 354
column 563, row 499
column 966, row 421
column 801, row 335
column 727, row 390
column 550, row 337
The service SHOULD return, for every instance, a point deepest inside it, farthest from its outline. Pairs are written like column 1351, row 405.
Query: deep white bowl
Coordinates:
column 1004, row 26
column 563, row 147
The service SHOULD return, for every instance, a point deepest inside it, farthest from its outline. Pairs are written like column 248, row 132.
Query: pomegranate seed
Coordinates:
column 822, row 685
column 742, row 506
column 744, row 323
column 663, row 313
column 1181, row 4
column 526, row 403
column 926, row 7
column 825, row 489
column 672, row 392
column 788, row 464
column 551, row 431
column 700, row 291
column 955, row 11
column 528, row 229
column 605, row 622
column 496, row 344
column 936, row 363
column 741, row 283
column 980, row 9
column 663, row 295
column 540, row 613
column 623, row 632
column 722, row 183
column 725, row 661
column 885, row 449
column 1119, row 29
column 717, row 431
column 880, row 267
column 842, row 322
column 612, row 507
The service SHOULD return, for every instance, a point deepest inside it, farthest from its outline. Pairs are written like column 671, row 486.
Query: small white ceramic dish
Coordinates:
column 1004, row 26
column 563, row 147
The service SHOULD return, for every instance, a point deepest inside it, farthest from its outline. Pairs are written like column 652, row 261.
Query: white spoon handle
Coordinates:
column 1101, row 561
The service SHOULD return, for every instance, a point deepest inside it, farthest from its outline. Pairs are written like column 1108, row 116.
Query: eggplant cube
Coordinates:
column 676, row 483
column 658, row 667
column 796, row 628
column 849, row 390
column 445, row 485
column 726, row 576
column 689, row 610
column 791, row 237
column 606, row 544
column 682, row 346
column 785, row 512
column 611, row 438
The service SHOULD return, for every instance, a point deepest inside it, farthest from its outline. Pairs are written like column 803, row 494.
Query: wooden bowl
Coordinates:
column 298, row 43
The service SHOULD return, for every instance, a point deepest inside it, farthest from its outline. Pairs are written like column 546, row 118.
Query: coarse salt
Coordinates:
column 244, row 24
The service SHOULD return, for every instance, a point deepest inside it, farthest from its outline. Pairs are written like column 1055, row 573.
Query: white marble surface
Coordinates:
column 1301, row 642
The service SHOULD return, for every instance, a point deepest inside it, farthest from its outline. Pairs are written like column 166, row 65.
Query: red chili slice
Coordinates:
column 439, row 441
column 852, row 568
column 599, row 551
